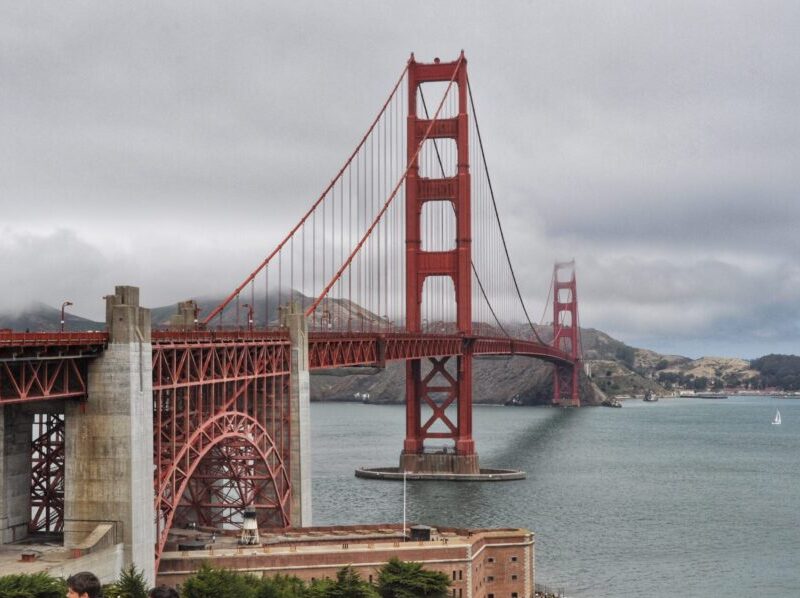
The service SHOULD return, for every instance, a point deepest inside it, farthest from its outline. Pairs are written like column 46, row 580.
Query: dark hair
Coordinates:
column 163, row 592
column 85, row 582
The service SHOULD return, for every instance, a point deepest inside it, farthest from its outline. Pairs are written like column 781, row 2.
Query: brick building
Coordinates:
column 481, row 563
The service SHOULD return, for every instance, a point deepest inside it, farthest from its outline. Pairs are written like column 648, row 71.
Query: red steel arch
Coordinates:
column 221, row 428
column 267, row 467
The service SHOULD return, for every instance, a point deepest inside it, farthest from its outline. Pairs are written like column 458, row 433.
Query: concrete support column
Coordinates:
column 15, row 473
column 293, row 318
column 109, row 440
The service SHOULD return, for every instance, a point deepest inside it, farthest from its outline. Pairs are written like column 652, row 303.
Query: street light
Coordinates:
column 63, row 305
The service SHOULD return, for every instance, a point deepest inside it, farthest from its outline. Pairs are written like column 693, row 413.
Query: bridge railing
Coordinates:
column 13, row 338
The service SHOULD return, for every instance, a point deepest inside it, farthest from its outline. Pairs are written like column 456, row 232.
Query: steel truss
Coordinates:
column 221, row 423
column 33, row 379
column 47, row 473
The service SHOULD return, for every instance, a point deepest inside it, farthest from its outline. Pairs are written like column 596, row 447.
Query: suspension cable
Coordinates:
column 223, row 305
column 388, row 202
column 472, row 263
column 497, row 214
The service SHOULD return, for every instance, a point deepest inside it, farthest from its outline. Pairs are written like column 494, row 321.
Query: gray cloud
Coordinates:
column 172, row 145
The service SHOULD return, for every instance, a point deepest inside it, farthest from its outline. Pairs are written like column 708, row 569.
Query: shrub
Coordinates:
column 35, row 585
column 209, row 582
column 131, row 584
column 399, row 579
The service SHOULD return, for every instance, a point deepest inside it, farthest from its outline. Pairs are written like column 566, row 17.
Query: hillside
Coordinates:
column 39, row 317
column 612, row 368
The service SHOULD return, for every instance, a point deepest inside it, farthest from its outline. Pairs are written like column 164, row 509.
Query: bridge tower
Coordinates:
column 565, row 334
column 441, row 383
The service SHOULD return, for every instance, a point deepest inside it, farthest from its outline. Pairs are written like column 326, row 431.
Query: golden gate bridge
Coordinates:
column 402, row 257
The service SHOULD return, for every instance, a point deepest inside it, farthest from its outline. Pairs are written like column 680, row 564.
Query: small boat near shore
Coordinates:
column 776, row 421
column 650, row 397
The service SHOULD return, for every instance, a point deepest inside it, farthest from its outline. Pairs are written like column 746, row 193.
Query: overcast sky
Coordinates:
column 169, row 145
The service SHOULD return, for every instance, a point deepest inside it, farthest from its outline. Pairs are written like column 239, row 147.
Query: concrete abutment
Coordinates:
column 109, row 445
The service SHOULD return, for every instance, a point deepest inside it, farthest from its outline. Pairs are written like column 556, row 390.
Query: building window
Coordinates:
column 490, row 596
column 513, row 577
column 460, row 574
column 489, row 579
column 454, row 593
column 370, row 579
column 513, row 559
column 513, row 595
column 459, row 592
column 490, row 559
column 454, row 575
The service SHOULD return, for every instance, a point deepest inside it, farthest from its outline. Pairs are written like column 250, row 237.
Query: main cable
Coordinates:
column 472, row 263
column 497, row 214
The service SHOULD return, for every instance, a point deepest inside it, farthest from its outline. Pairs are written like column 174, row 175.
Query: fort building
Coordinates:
column 480, row 563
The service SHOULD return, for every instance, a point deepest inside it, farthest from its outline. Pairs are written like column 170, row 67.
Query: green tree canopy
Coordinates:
column 34, row 585
column 349, row 584
column 210, row 582
column 130, row 584
column 282, row 586
column 401, row 579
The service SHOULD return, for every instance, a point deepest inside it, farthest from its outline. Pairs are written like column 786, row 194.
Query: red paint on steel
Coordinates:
column 31, row 379
column 297, row 227
column 47, row 473
column 457, row 264
column 413, row 152
column 221, row 430
column 566, row 335
column 10, row 338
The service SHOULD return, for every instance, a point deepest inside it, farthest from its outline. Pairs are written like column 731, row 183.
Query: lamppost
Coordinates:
column 249, row 316
column 63, row 305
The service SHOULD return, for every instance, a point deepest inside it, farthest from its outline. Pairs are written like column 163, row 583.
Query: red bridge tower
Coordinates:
column 439, row 387
column 566, row 335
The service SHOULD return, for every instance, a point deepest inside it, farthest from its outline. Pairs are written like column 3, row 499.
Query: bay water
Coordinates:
column 683, row 497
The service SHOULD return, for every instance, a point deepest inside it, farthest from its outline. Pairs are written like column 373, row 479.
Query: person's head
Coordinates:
column 83, row 585
column 163, row 592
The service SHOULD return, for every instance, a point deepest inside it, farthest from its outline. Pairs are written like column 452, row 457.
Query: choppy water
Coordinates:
column 684, row 497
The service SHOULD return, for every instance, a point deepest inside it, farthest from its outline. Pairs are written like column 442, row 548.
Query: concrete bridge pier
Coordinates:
column 109, row 497
column 293, row 318
column 15, row 472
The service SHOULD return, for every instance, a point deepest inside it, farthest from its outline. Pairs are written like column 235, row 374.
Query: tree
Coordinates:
column 282, row 586
column 350, row 585
column 131, row 584
column 209, row 582
column 34, row 585
column 400, row 579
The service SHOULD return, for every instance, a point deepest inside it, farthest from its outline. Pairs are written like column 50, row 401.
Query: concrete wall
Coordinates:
column 109, row 439
column 300, row 419
column 106, row 564
column 15, row 473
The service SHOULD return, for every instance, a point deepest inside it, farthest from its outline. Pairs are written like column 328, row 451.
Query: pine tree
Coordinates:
column 131, row 584
column 401, row 579
column 34, row 585
column 209, row 582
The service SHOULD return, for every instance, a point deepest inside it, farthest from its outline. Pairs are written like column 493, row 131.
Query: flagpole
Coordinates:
column 404, row 505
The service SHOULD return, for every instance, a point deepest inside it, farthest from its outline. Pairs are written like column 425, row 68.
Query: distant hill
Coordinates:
column 39, row 317
column 612, row 368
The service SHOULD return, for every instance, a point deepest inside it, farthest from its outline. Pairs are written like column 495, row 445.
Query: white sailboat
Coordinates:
column 776, row 421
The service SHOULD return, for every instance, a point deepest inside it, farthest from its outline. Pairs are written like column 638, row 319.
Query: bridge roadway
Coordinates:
column 46, row 365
